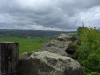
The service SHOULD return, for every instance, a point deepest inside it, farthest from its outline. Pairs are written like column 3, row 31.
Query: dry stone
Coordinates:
column 57, row 57
column 47, row 63
column 64, row 45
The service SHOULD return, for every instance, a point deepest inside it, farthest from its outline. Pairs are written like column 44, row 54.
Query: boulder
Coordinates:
column 63, row 37
column 48, row 63
column 60, row 44
column 56, row 50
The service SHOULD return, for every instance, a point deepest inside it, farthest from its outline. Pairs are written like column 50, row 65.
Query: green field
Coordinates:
column 26, row 44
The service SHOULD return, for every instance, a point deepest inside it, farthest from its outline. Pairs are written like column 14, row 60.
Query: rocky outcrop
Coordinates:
column 48, row 63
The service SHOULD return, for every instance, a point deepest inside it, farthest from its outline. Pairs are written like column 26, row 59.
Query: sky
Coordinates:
column 57, row 15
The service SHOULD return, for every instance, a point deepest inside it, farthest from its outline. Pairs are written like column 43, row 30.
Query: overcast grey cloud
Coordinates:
column 49, row 14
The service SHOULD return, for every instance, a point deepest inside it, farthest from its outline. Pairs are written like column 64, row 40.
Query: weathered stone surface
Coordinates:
column 64, row 37
column 48, row 63
column 55, row 49
column 64, row 45
column 53, row 58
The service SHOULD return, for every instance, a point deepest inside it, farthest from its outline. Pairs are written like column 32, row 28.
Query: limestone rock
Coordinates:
column 64, row 37
column 56, row 50
column 64, row 45
column 47, row 63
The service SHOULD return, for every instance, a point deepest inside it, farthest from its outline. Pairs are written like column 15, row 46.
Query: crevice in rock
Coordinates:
column 70, row 52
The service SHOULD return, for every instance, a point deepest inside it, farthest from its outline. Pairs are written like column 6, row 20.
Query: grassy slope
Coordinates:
column 25, row 44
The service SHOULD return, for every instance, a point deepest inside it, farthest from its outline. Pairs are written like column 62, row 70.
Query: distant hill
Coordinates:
column 32, row 33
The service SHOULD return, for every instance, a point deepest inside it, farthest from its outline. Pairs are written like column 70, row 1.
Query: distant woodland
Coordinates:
column 5, row 33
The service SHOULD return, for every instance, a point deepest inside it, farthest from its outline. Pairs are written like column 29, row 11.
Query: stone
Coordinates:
column 56, row 50
column 59, row 44
column 63, row 37
column 48, row 63
column 66, row 43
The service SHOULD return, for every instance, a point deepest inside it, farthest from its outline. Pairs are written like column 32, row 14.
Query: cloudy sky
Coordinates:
column 49, row 14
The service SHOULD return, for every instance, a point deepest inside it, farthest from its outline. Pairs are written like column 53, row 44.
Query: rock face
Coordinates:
column 48, row 63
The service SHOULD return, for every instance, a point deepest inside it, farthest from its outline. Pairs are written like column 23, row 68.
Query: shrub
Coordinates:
column 89, row 51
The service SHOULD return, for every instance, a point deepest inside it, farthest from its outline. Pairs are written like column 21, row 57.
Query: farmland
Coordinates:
column 26, row 44
column 29, row 40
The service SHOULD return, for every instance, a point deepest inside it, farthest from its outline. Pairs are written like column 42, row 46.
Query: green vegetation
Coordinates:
column 4, row 33
column 26, row 44
column 29, row 40
column 89, row 50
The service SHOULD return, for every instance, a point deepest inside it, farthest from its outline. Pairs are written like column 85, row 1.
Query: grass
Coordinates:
column 26, row 44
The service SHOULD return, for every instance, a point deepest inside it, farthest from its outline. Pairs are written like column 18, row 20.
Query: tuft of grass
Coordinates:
column 26, row 44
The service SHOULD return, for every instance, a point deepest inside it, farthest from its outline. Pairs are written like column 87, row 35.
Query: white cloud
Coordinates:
column 40, row 27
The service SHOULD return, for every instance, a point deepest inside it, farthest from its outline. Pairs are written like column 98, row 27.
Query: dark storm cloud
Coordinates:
column 48, row 14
